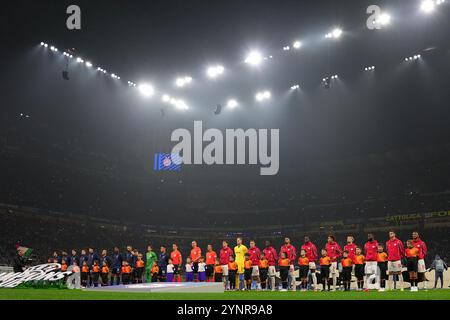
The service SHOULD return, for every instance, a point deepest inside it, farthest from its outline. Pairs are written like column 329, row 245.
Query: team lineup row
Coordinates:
column 246, row 268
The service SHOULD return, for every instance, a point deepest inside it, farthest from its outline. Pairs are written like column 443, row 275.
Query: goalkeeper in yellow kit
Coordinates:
column 239, row 252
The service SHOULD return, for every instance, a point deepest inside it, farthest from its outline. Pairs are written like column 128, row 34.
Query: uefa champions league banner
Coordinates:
column 49, row 273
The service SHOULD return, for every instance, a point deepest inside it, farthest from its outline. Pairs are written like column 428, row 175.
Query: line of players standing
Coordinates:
column 252, row 268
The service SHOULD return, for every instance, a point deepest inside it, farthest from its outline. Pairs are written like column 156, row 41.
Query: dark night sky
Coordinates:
column 399, row 106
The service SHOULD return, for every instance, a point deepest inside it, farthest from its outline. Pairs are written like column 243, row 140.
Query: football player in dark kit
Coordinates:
column 116, row 264
column 163, row 261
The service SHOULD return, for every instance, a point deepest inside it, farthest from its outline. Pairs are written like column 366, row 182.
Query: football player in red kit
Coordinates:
column 312, row 255
column 371, row 251
column 272, row 258
column 396, row 252
column 334, row 251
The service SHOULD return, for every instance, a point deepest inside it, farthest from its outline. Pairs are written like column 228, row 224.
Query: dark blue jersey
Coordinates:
column 163, row 260
column 91, row 257
column 116, row 260
column 83, row 258
column 131, row 259
column 105, row 259
column 74, row 259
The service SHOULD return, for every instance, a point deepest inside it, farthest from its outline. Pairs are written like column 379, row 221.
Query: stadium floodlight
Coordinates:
column 79, row 60
column 297, row 45
column 254, row 58
column 165, row 98
column 334, row 77
column 384, row 19
column 46, row 45
column 42, row 43
column 181, row 82
column 295, row 87
column 215, row 71
column 369, row 68
column 335, row 34
column 88, row 64
column 232, row 103
column 263, row 95
column 146, row 90
column 287, row 48
column 439, row 2
column 181, row 105
column 427, row 6
column 415, row 57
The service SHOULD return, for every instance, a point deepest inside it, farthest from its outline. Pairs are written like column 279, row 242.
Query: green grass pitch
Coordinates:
column 55, row 294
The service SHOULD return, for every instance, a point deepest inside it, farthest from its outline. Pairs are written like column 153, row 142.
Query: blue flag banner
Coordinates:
column 167, row 162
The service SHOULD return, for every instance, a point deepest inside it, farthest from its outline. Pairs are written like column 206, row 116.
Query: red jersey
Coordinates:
column 176, row 257
column 422, row 247
column 351, row 248
column 271, row 255
column 211, row 257
column 311, row 251
column 334, row 251
column 291, row 252
column 395, row 249
column 196, row 253
column 371, row 250
column 255, row 255
column 225, row 254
